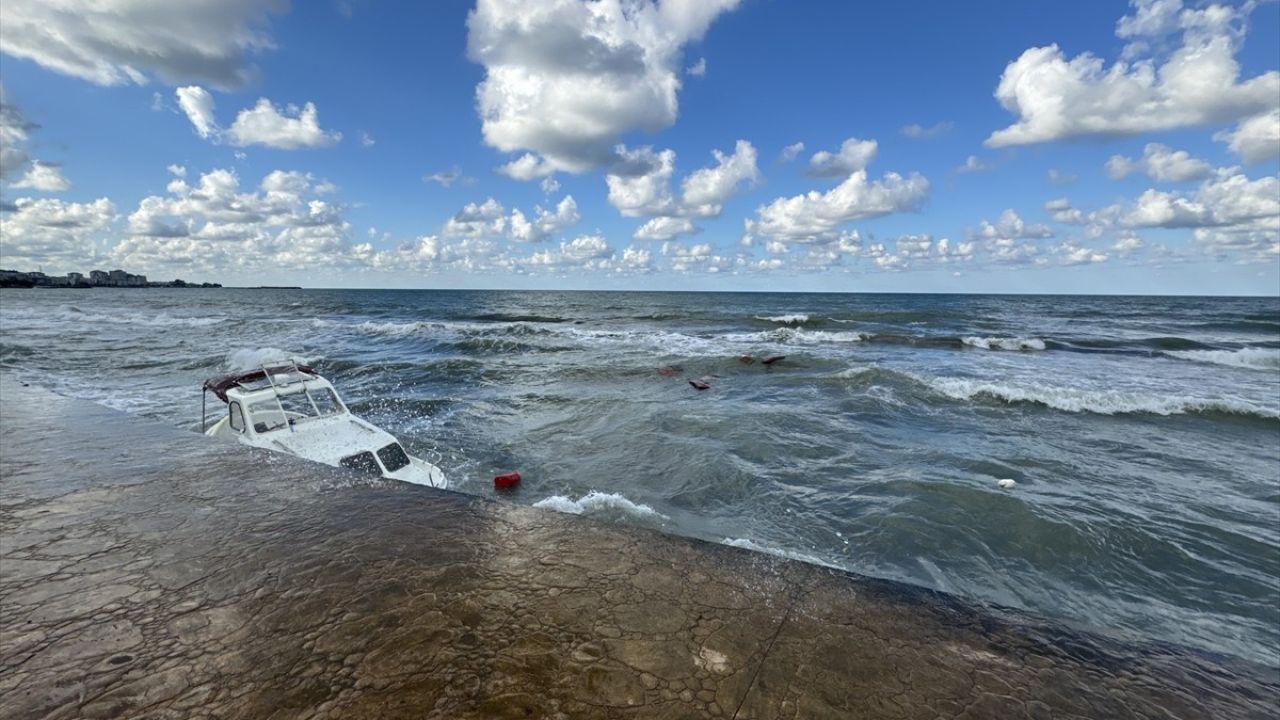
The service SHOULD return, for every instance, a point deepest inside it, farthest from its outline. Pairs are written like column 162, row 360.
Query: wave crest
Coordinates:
column 597, row 502
column 787, row 319
column 997, row 343
column 1254, row 358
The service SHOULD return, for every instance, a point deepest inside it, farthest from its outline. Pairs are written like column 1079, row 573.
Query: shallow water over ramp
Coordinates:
column 149, row 572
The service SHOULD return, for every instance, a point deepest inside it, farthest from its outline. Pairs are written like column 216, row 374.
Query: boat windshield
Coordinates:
column 308, row 403
column 393, row 456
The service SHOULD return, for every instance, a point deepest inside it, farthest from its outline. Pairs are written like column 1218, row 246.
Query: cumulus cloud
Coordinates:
column 815, row 217
column 1011, row 240
column 214, row 224
column 294, row 128
column 1256, row 139
column 698, row 69
column 51, row 231
column 448, row 177
column 921, row 132
column 118, row 42
column 1058, row 177
column 640, row 186
column 14, row 129
column 586, row 252
column 490, row 220
column 971, row 165
column 366, row 140
column 44, row 178
column 853, row 155
column 665, row 228
column 197, row 103
column 791, row 152
column 1012, row 226
column 1198, row 83
column 1160, row 163
column 566, row 79
column 1070, row 252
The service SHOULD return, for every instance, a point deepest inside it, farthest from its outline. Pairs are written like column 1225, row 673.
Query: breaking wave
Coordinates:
column 596, row 502
column 252, row 358
column 788, row 319
column 1251, row 357
column 996, row 343
column 1102, row 402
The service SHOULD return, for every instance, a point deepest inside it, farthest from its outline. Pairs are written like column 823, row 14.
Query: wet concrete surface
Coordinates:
column 147, row 572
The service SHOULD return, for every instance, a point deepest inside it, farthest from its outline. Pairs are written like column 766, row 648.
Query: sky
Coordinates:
column 1100, row 147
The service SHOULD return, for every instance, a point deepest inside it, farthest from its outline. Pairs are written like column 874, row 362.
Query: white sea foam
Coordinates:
column 394, row 329
column 788, row 319
column 595, row 502
column 749, row 544
column 1253, row 358
column 996, row 343
column 77, row 316
column 253, row 358
column 1102, row 402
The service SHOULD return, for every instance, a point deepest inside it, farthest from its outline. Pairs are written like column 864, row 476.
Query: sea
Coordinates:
column 1141, row 434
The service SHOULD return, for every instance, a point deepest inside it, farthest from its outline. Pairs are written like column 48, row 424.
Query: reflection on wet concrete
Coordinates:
column 149, row 572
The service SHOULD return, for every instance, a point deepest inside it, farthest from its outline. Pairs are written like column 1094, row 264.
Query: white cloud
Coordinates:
column 52, row 231
column 791, row 152
column 698, row 69
column 1061, row 210
column 665, row 228
column 704, row 191
column 816, row 216
column 1229, row 200
column 920, row 132
column 586, row 252
column 640, row 186
column 1161, row 163
column 214, row 224
column 1128, row 243
column 117, row 42
column 527, row 167
column 972, row 164
column 292, row 129
column 1255, row 139
column 1073, row 253
column 448, row 177
column 44, row 178
column 13, row 138
column 366, row 140
column 489, row 220
column 640, row 183
column 545, row 222
column 197, row 103
column 1058, row 177
column 566, row 79
column 1011, row 226
column 177, row 170
column 1199, row 83
column 549, row 186
column 853, row 155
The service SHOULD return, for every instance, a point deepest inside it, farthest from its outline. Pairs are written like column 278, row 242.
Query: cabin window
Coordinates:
column 393, row 457
column 326, row 401
column 237, row 417
column 266, row 416
column 362, row 463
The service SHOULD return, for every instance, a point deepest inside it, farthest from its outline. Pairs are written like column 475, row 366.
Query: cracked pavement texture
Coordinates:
column 149, row 572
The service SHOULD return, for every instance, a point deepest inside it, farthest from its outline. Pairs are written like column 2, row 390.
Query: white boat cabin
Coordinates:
column 291, row 409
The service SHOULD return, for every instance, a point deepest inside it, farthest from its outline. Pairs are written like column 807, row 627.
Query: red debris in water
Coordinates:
column 746, row 359
column 699, row 384
column 506, row 481
column 773, row 359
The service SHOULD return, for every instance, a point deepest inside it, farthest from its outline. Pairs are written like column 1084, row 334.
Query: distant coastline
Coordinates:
column 95, row 278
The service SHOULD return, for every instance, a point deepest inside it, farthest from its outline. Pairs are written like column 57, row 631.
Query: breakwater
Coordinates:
column 146, row 571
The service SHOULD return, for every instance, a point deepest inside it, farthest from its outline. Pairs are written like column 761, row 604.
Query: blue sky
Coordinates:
column 1020, row 147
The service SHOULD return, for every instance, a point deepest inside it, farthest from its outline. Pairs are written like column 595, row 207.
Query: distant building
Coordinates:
column 98, row 277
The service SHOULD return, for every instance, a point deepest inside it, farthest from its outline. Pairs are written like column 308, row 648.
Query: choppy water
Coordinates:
column 1143, row 433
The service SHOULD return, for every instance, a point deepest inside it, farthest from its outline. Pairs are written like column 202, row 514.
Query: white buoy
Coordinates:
column 1007, row 483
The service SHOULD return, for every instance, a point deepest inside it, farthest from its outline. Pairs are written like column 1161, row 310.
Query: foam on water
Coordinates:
column 1254, row 358
column 998, row 343
column 596, row 502
column 788, row 319
column 1102, row 402
column 253, row 358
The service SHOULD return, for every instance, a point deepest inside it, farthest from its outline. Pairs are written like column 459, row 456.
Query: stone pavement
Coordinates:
column 147, row 572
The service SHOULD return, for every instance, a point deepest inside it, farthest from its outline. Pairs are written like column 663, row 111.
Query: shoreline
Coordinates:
column 147, row 570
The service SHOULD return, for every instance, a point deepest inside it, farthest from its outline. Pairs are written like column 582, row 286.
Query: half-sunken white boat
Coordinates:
column 291, row 409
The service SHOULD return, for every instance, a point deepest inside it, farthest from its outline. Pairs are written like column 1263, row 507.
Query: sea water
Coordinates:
column 1142, row 434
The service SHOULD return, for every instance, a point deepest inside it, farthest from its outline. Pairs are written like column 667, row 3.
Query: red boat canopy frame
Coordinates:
column 221, row 384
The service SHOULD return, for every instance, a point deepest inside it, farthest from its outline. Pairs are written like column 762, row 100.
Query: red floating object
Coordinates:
column 773, row 359
column 506, row 481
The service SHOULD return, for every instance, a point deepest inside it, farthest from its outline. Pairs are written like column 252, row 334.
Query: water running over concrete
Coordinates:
column 149, row 572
